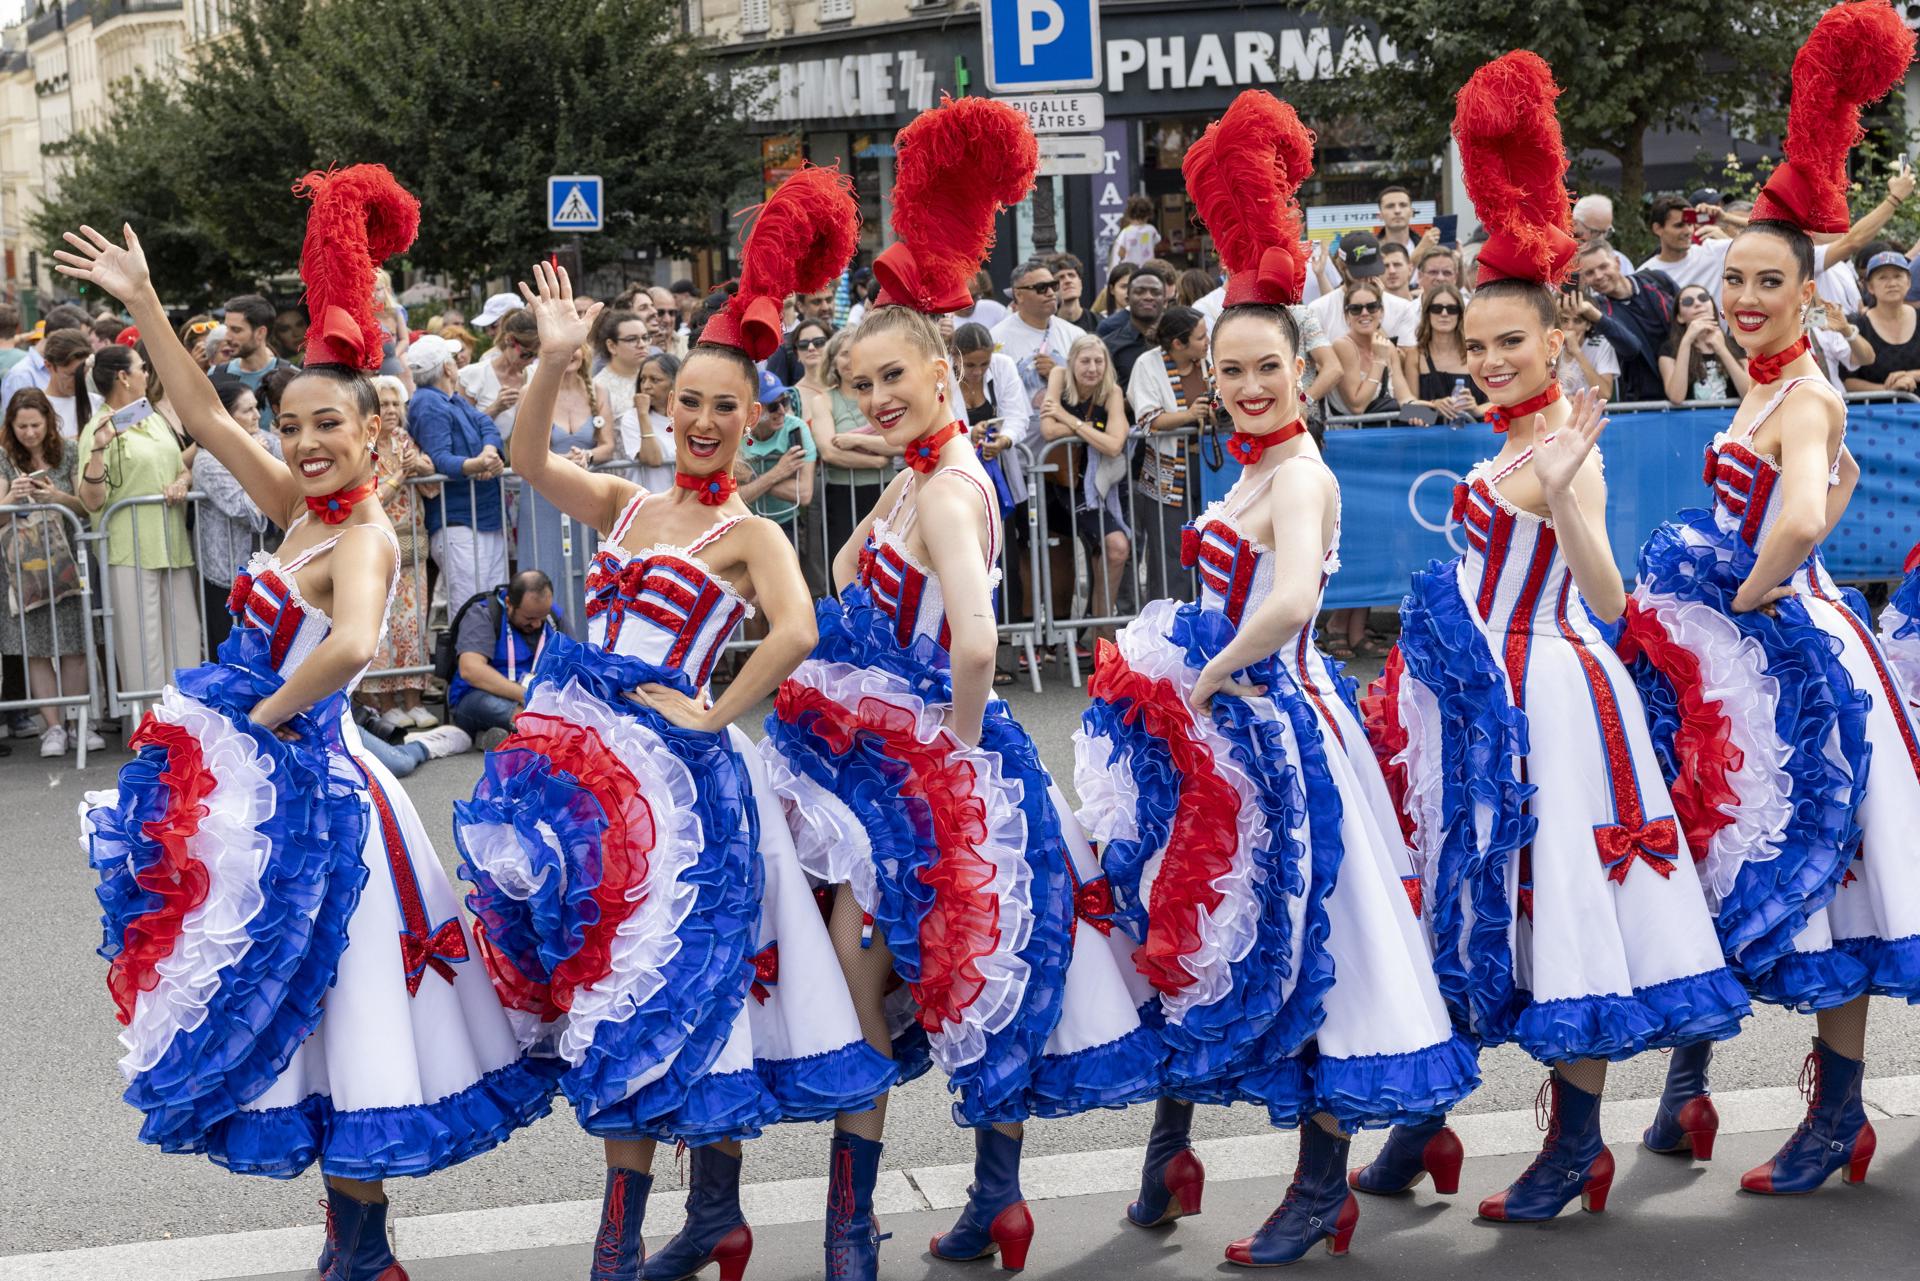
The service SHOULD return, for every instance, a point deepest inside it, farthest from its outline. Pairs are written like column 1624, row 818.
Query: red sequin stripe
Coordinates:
column 1387, row 733
column 713, row 651
column 1764, row 479
column 176, row 878
column 626, row 843
column 696, row 619
column 1203, row 837
column 654, row 612
column 265, row 608
column 1243, row 566
column 1895, row 704
column 286, row 620
column 913, row 585
column 1313, row 691
column 1499, row 542
column 670, row 589
column 1520, row 626
column 1703, row 742
column 1631, row 837
column 962, row 924
column 422, row 945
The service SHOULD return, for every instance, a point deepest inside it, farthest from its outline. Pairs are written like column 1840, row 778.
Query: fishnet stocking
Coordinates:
column 1589, row 1076
column 868, row 970
column 1844, row 1028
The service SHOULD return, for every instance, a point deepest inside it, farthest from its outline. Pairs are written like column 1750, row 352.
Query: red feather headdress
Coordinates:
column 956, row 166
column 1514, row 165
column 1854, row 55
column 360, row 218
column 1242, row 174
column 803, row 237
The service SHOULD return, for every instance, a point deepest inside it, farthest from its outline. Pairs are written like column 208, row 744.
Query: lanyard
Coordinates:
column 513, row 650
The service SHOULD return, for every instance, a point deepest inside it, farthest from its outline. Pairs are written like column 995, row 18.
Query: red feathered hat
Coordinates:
column 1242, row 174
column 1515, row 167
column 360, row 218
column 1854, row 55
column 956, row 166
column 802, row 238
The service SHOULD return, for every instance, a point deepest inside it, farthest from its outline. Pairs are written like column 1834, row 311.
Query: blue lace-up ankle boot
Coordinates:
column 1574, row 1161
column 1835, row 1133
column 995, row 1219
column 853, row 1234
column 356, row 1248
column 1413, row 1152
column 1317, row 1207
column 716, row 1231
column 617, row 1248
column 1687, row 1120
column 1172, row 1180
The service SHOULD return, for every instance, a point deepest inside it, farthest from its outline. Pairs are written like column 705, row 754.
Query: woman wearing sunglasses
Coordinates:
column 1436, row 365
column 1372, row 378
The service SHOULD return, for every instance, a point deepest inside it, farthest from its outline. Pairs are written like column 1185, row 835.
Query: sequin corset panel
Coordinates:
column 1236, row 572
column 1513, row 576
column 266, row 595
column 662, row 605
column 904, row 589
column 1745, row 481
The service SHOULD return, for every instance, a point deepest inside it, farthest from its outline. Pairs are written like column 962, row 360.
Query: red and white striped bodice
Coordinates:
column 662, row 605
column 1236, row 572
column 266, row 595
column 902, row 588
column 1513, row 576
column 1745, row 482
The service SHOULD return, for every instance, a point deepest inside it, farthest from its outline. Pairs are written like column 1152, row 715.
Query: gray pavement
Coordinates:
column 1666, row 1218
column 72, row 1173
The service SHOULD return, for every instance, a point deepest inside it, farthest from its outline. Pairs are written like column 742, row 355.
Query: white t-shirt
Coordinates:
column 1135, row 243
column 1399, row 322
column 985, row 312
column 480, row 381
column 655, row 480
column 1600, row 354
column 1019, row 342
column 1703, row 266
column 68, row 414
column 1211, row 305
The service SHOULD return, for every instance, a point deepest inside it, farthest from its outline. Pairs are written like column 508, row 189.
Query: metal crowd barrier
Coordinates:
column 22, row 576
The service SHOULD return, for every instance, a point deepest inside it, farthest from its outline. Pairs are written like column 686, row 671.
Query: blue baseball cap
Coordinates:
column 1888, row 258
column 772, row 389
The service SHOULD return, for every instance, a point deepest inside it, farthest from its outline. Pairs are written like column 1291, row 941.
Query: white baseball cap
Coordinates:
column 497, row 306
column 429, row 354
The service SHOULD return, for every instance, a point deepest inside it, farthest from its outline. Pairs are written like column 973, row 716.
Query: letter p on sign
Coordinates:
column 1041, row 46
column 1041, row 22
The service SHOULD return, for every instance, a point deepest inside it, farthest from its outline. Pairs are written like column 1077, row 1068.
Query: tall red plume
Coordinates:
column 1853, row 56
column 803, row 237
column 956, row 166
column 1242, row 174
column 1515, row 166
column 360, row 218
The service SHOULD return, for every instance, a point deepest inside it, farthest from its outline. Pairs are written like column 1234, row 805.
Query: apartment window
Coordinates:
column 836, row 10
column 756, row 17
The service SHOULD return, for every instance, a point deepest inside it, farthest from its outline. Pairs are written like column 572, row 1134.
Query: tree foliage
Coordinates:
column 471, row 108
column 1626, row 68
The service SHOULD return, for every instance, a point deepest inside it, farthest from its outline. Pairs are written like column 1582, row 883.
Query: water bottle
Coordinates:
column 1460, row 392
column 1713, row 381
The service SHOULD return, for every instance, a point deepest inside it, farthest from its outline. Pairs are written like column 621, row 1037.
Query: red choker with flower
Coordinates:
column 923, row 454
column 710, row 490
column 1767, row 369
column 1504, row 416
column 1249, row 449
column 337, row 506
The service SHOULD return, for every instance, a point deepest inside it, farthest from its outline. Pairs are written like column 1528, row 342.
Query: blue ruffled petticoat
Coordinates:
column 1771, row 900
column 1013, row 1077
column 1486, row 824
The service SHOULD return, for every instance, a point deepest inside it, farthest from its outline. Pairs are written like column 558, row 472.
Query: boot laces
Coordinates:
column 1546, row 1116
column 1810, row 1083
column 613, row 1224
column 1286, row 1202
column 333, row 1238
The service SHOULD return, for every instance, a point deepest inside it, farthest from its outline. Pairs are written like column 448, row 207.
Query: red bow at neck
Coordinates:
column 1504, row 416
column 1767, row 369
column 337, row 506
column 923, row 455
column 710, row 490
column 1248, row 448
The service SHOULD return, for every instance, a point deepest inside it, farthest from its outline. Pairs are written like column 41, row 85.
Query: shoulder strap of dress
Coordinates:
column 1766, row 411
column 712, row 535
column 993, row 509
column 307, row 555
column 627, row 513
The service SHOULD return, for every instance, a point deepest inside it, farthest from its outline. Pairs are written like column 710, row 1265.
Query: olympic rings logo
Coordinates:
column 1446, row 524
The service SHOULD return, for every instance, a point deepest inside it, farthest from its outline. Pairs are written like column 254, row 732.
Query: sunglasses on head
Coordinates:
column 1444, row 309
column 1362, row 308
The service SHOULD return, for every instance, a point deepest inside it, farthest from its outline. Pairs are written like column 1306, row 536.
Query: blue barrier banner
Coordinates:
column 1397, row 484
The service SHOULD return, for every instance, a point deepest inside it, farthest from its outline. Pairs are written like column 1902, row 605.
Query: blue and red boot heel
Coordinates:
column 716, row 1232
column 356, row 1244
column 995, row 1219
column 1687, row 1121
column 618, row 1249
column 1318, row 1207
column 1172, row 1179
column 1573, row 1162
column 853, row 1235
column 1413, row 1152
column 1834, row 1135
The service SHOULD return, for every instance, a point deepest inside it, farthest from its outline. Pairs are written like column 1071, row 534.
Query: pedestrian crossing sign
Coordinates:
column 574, row 202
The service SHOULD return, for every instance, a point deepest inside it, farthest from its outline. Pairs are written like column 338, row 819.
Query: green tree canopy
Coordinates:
column 471, row 108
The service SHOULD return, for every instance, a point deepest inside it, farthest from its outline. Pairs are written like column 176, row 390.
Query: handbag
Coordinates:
column 36, row 560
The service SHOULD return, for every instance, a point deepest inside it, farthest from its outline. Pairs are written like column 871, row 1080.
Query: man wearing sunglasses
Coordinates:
column 1359, row 258
column 1033, row 334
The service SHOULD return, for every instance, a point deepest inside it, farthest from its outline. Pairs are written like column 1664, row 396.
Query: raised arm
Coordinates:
column 1868, row 225
column 1569, row 474
column 593, row 498
column 122, row 272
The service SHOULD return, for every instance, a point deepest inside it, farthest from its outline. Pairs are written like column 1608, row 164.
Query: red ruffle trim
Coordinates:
column 516, row 990
column 1387, row 734
column 962, row 925
column 624, row 846
column 1202, row 840
column 1703, row 745
column 179, row 879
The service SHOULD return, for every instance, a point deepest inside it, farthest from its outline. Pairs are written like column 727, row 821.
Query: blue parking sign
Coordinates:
column 574, row 202
column 1041, row 46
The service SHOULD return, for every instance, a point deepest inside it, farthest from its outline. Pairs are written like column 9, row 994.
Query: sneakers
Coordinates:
column 396, row 719
column 53, row 741
column 24, row 725
column 442, row 740
column 422, row 718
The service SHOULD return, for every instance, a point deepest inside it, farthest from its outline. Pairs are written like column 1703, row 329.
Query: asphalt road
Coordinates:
column 72, row 1173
